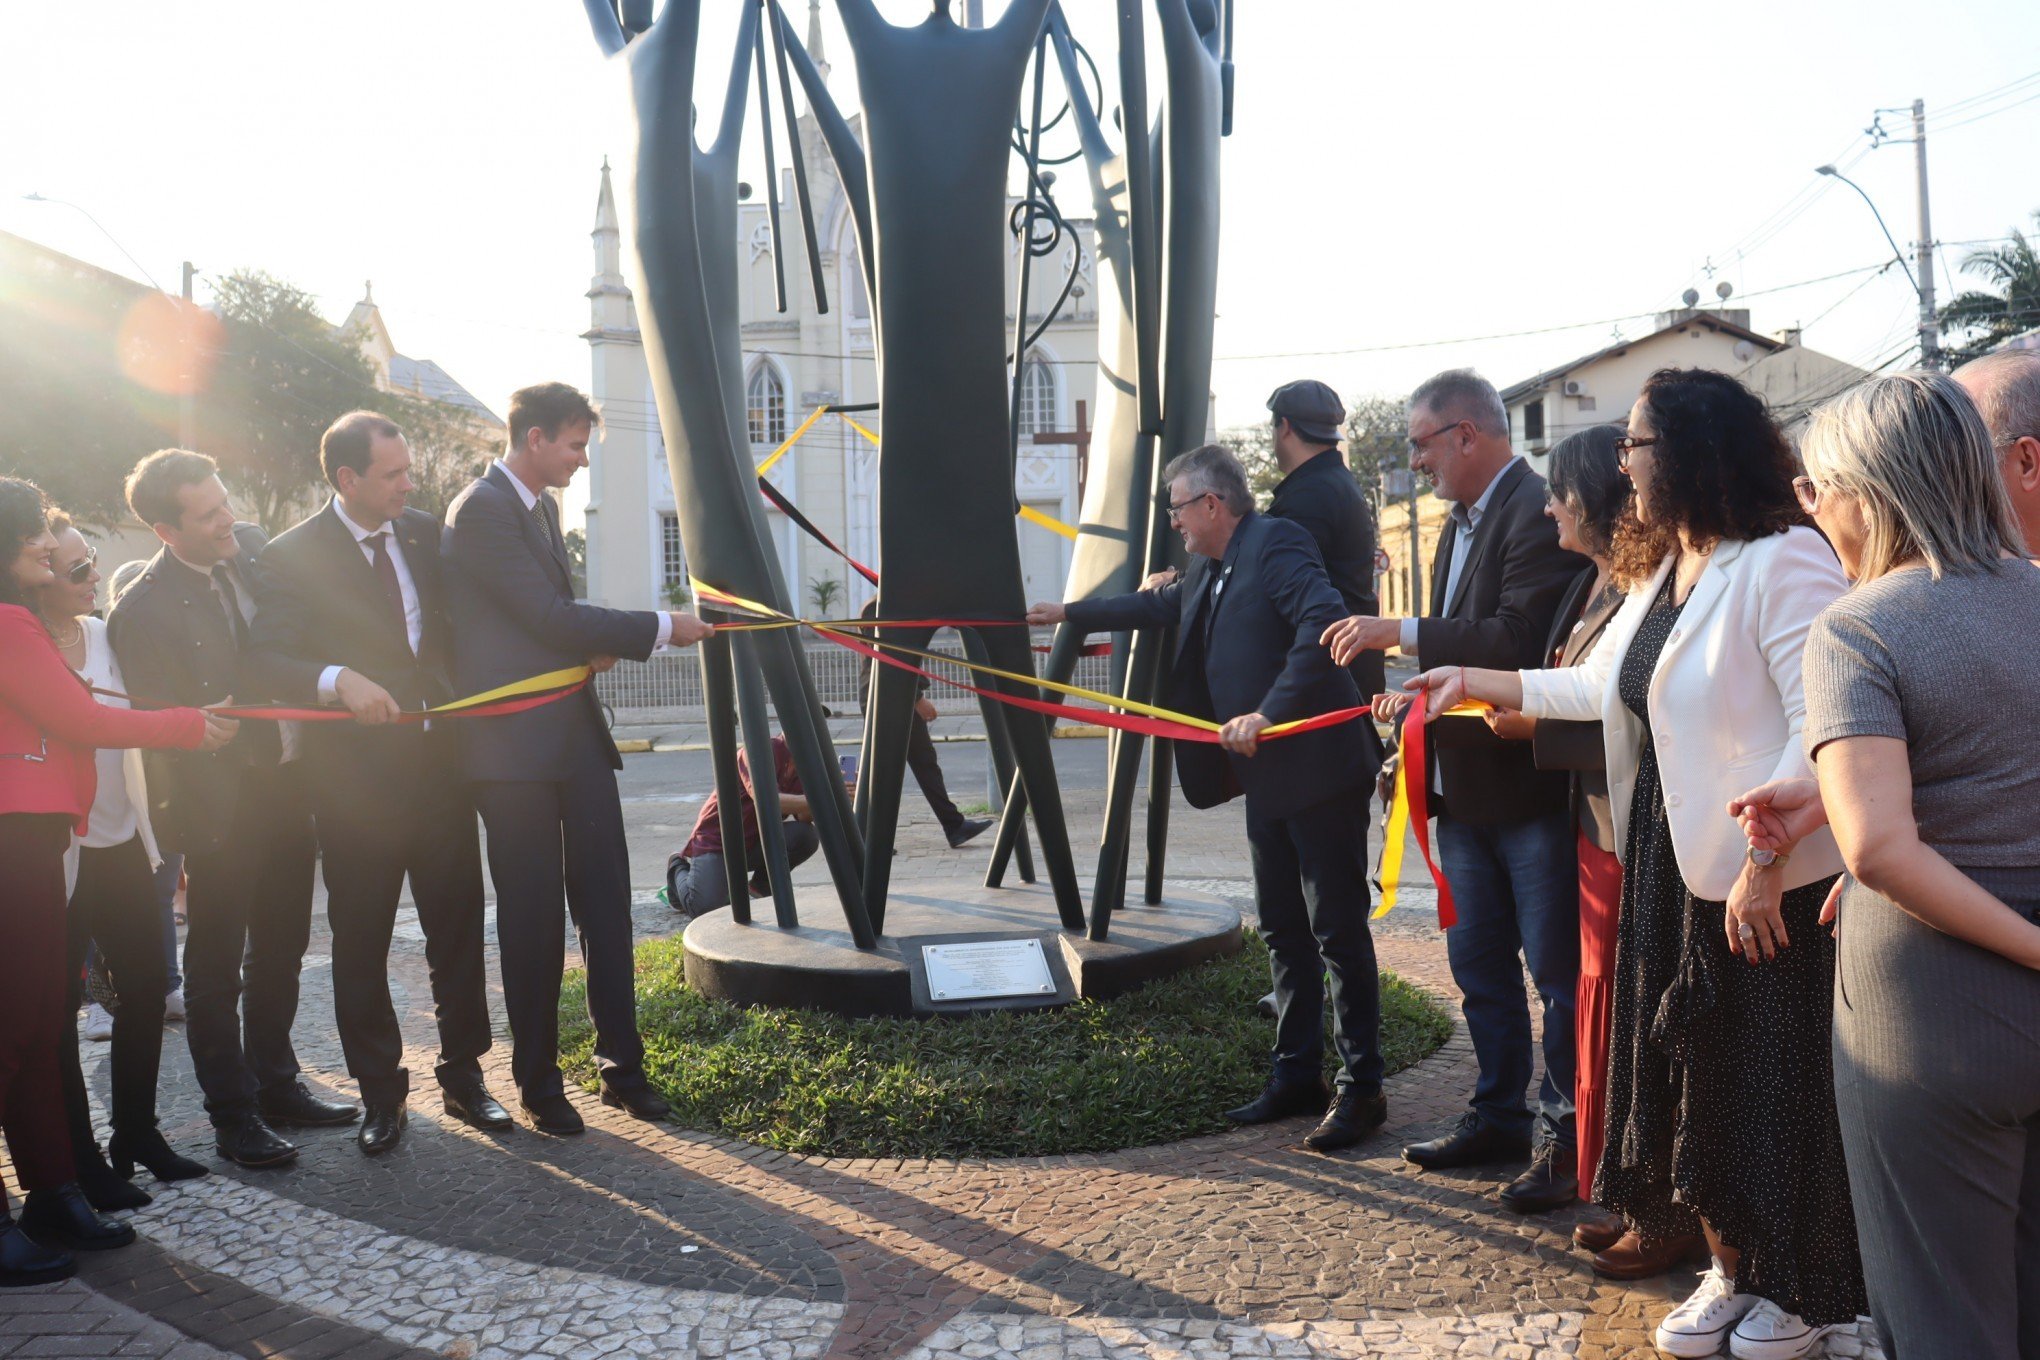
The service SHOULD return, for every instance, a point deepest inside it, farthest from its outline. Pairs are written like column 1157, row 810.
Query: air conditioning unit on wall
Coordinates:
column 1573, row 387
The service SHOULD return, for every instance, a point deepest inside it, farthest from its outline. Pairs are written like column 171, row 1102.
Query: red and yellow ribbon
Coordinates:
column 516, row 697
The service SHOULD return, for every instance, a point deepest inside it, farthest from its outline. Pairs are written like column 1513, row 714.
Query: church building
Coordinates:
column 802, row 358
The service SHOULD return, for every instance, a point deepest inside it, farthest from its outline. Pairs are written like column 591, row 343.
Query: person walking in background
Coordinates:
column 1247, row 615
column 49, row 728
column 113, row 906
column 1721, row 1096
column 1505, row 831
column 181, row 633
column 544, row 780
column 356, row 592
column 1937, row 992
column 957, row 829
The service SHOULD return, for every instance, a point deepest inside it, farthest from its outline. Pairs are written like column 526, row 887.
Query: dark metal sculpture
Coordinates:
column 927, row 193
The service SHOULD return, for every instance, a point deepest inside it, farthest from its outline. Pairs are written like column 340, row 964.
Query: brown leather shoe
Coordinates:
column 1635, row 1257
column 1597, row 1229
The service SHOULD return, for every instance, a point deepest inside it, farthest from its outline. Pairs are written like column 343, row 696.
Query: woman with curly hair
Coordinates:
column 1721, row 1099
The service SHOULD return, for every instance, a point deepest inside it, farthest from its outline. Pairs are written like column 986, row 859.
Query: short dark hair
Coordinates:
column 1217, row 469
column 1721, row 471
column 153, row 486
column 347, row 442
column 546, row 407
column 24, row 514
column 1586, row 473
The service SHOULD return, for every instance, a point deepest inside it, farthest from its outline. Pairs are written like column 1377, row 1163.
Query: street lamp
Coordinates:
column 67, row 203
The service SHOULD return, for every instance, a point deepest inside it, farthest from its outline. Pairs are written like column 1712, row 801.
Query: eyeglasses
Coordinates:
column 1176, row 508
column 1807, row 492
column 1418, row 441
column 81, row 569
column 1627, row 444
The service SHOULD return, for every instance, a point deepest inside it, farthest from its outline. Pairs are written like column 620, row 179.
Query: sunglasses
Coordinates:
column 81, row 570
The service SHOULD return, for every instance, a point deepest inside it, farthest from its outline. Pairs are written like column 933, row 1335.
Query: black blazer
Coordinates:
column 1577, row 747
column 510, row 596
column 322, row 605
column 175, row 645
column 1263, row 657
column 1498, row 618
column 1322, row 496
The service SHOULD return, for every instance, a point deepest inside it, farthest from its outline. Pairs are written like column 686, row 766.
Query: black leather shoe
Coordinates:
column 295, row 1107
column 474, row 1106
column 148, row 1149
column 640, row 1102
column 249, row 1141
column 381, row 1127
column 63, row 1216
column 1281, row 1100
column 555, row 1115
column 968, row 830
column 1352, row 1117
column 1550, row 1183
column 105, row 1191
column 1471, row 1143
column 25, row 1261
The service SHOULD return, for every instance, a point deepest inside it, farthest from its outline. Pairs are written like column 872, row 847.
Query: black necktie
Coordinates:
column 393, row 591
column 543, row 510
column 223, row 581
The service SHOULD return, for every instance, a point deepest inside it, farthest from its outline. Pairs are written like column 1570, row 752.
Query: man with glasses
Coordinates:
column 1248, row 614
column 1505, row 835
column 2006, row 389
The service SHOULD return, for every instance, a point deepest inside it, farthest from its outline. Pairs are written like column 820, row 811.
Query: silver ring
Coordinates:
column 1746, row 930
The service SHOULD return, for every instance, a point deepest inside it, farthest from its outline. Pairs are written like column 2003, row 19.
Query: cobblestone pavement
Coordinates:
column 644, row 1240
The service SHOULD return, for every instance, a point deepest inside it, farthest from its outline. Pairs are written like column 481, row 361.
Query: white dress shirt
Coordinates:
column 1468, row 518
column 530, row 499
column 414, row 613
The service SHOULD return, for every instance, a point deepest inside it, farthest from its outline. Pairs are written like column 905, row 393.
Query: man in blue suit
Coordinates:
column 1248, row 614
column 544, row 780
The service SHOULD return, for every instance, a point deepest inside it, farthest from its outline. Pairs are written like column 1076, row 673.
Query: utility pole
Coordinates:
column 187, row 418
column 1930, row 326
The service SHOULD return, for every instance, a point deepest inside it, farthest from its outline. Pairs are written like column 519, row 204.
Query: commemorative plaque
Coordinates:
column 987, row 968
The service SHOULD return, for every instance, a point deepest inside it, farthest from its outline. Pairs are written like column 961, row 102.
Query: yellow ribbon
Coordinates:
column 791, row 440
column 1049, row 522
column 1392, row 842
column 535, row 684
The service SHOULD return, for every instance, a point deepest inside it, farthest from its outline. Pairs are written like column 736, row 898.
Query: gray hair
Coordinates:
column 2007, row 392
column 1464, row 395
column 1213, row 468
column 1913, row 450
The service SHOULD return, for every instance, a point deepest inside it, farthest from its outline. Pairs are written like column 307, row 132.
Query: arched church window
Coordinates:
column 1037, row 394
column 766, row 400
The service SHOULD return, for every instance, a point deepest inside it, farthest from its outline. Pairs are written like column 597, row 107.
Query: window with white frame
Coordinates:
column 1037, row 395
column 672, row 558
column 765, row 398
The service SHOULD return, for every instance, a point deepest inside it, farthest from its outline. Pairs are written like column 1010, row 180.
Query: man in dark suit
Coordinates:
column 1249, row 612
column 545, row 779
column 1505, row 837
column 351, row 608
column 182, row 633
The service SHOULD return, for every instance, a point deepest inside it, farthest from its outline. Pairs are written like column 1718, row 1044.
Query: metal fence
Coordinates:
column 668, row 686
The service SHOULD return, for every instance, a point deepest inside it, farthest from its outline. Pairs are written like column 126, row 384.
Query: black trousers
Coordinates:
column 249, row 907
column 928, row 774
column 555, row 848
column 1310, row 888
column 32, row 1019
column 114, row 904
column 420, row 824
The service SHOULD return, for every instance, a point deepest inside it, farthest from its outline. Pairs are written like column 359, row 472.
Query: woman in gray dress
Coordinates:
column 1912, row 680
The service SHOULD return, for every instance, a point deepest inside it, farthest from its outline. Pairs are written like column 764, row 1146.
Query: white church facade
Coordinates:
column 802, row 358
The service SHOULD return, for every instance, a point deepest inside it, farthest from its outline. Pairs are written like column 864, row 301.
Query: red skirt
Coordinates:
column 1600, row 906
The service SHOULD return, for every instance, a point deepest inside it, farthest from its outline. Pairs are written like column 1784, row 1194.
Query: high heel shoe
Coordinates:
column 149, row 1149
column 104, row 1189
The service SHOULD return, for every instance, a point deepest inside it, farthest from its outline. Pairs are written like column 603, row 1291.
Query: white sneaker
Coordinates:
column 1698, row 1326
column 1768, row 1332
column 98, row 1022
column 173, row 1005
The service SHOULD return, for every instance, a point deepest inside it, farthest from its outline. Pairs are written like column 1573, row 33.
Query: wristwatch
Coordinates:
column 1765, row 859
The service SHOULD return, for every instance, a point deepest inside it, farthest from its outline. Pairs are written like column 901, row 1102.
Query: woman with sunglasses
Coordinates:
column 113, row 904
column 49, row 727
column 1721, row 1099
column 1909, row 682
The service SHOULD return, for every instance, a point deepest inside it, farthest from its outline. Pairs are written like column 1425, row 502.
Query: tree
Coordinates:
column 1987, row 319
column 449, row 447
column 1374, row 436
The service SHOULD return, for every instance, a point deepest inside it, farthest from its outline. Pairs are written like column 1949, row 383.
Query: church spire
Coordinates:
column 814, row 38
column 607, row 291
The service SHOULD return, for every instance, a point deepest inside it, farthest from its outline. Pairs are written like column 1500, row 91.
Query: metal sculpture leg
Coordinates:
column 1063, row 653
column 814, row 757
column 999, row 748
column 880, row 784
column 719, row 690
column 1034, row 756
column 757, row 721
column 1161, row 771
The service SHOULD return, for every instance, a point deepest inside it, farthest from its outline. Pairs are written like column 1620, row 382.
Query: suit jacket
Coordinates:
column 1727, row 705
column 321, row 604
column 1322, row 496
column 1498, row 617
column 1576, row 747
column 176, row 646
column 1262, row 656
column 510, row 596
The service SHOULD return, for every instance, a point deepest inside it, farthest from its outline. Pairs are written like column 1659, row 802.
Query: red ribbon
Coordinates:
column 266, row 713
column 1417, row 784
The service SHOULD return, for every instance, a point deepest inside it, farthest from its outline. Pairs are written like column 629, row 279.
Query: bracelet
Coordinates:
column 1769, row 859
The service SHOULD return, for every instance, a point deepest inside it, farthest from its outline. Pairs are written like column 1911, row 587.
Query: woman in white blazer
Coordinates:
column 110, row 872
column 1721, row 1093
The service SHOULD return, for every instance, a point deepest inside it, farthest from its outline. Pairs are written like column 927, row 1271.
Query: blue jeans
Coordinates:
column 1518, row 893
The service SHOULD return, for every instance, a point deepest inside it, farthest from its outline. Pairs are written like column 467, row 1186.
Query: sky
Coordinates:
column 1408, row 188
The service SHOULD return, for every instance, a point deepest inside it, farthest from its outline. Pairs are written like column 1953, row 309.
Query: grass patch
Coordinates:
column 1151, row 1067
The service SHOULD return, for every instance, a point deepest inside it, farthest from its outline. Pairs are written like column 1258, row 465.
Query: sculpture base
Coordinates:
column 816, row 966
